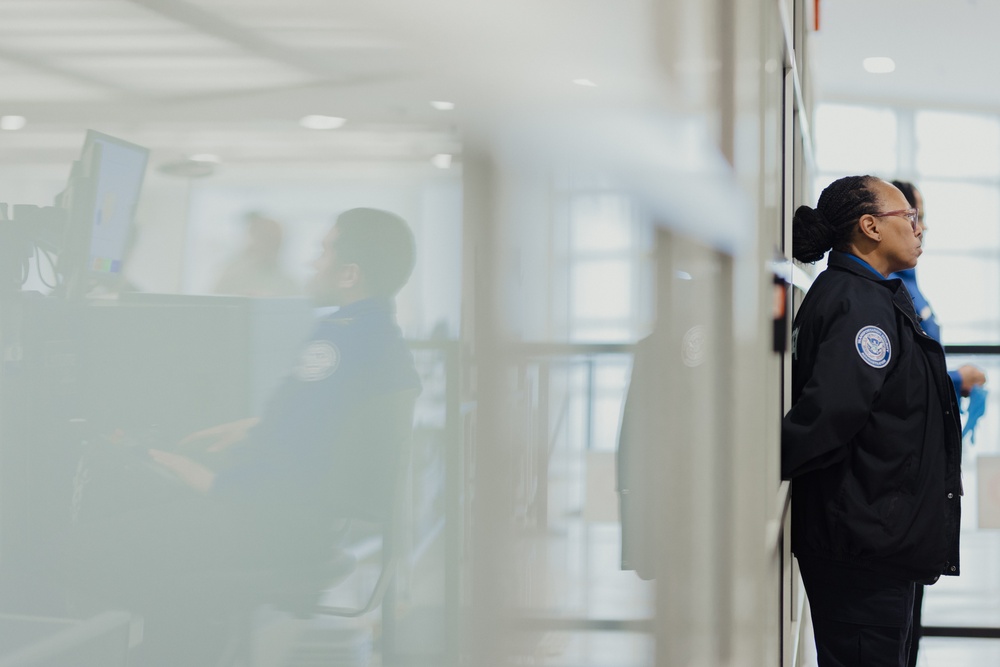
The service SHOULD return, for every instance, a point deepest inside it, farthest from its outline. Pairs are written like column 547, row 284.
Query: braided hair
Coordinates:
column 831, row 224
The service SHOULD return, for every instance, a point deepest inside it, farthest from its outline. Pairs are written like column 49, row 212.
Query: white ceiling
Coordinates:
column 232, row 77
column 219, row 76
column 946, row 52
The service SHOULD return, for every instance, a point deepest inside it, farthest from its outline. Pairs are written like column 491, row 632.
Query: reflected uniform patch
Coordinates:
column 318, row 361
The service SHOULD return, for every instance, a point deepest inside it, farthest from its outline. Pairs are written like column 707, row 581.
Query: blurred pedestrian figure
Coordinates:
column 256, row 270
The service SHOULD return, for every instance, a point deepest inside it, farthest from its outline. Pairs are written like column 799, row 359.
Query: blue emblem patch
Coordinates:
column 318, row 361
column 873, row 346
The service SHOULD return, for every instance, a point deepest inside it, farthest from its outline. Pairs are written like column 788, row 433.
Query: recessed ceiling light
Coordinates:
column 441, row 160
column 443, row 106
column 205, row 157
column 12, row 122
column 879, row 65
column 317, row 122
column 585, row 82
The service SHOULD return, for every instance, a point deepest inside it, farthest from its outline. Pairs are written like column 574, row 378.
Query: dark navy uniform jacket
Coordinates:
column 320, row 451
column 873, row 439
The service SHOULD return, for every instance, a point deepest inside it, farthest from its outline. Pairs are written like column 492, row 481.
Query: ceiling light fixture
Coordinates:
column 205, row 157
column 441, row 160
column 443, row 106
column 879, row 65
column 12, row 123
column 318, row 122
column 585, row 82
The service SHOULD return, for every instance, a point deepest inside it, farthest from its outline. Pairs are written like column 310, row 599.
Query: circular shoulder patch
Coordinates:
column 873, row 346
column 694, row 346
column 318, row 361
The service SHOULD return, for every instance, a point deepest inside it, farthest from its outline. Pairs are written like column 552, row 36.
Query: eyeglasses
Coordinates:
column 910, row 214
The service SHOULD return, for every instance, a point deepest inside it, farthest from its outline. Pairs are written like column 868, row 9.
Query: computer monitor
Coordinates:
column 100, row 199
column 116, row 169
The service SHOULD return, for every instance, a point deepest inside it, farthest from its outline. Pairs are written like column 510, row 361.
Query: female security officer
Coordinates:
column 873, row 438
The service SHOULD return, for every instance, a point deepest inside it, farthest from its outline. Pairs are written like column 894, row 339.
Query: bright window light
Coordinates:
column 318, row 122
column 12, row 122
column 856, row 140
column 957, row 145
column 601, row 223
column 961, row 218
column 879, row 65
column 601, row 289
column 441, row 160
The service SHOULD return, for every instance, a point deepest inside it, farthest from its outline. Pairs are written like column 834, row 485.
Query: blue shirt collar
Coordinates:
column 865, row 264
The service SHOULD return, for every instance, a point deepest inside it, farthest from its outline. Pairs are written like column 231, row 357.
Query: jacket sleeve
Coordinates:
column 297, row 440
column 836, row 399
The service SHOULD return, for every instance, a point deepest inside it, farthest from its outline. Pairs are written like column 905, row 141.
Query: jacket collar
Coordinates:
column 900, row 295
column 842, row 260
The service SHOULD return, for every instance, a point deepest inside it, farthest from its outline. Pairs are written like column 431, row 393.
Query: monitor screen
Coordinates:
column 116, row 169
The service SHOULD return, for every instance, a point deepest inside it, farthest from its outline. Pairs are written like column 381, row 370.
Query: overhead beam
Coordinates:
column 40, row 64
column 211, row 24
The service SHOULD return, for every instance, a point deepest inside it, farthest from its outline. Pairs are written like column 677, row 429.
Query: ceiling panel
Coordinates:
column 332, row 39
column 25, row 84
column 940, row 47
column 191, row 68
column 73, row 43
column 29, row 17
column 187, row 83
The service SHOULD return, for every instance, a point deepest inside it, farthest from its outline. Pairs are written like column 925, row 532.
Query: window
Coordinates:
column 957, row 145
column 848, row 136
column 954, row 159
column 607, row 258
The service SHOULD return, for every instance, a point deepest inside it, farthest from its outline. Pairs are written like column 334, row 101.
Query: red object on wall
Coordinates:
column 816, row 15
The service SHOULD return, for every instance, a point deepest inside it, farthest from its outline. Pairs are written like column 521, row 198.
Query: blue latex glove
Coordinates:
column 975, row 410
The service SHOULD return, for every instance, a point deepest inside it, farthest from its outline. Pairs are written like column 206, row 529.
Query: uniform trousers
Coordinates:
column 859, row 617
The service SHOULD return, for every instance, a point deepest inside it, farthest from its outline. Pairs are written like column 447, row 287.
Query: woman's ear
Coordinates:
column 868, row 225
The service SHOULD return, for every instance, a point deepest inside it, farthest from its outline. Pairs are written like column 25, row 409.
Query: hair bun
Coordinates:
column 814, row 216
column 812, row 235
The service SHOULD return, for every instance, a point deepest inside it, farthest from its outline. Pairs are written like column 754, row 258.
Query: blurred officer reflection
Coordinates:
column 636, row 476
column 291, row 458
column 256, row 270
column 265, row 492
